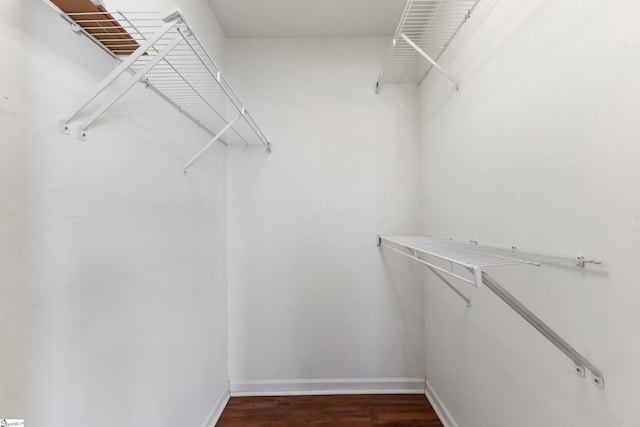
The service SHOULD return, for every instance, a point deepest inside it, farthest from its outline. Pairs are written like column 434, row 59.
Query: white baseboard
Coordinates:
column 328, row 386
column 439, row 406
column 221, row 402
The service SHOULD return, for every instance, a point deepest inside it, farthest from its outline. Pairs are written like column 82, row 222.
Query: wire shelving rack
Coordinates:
column 161, row 51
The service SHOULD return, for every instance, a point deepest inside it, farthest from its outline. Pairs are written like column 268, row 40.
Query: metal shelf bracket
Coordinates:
column 437, row 270
column 170, row 60
column 124, row 66
column 474, row 258
column 137, row 77
column 580, row 361
column 428, row 58
column 214, row 139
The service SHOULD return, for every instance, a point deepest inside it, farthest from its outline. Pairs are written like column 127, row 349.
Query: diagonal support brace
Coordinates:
column 128, row 85
column 428, row 58
column 577, row 358
column 433, row 268
column 213, row 140
column 171, row 21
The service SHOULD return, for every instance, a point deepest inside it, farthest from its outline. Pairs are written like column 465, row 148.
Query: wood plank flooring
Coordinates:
column 360, row 410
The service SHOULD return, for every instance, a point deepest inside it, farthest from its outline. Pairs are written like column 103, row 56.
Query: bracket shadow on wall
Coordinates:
column 467, row 261
column 425, row 30
column 161, row 51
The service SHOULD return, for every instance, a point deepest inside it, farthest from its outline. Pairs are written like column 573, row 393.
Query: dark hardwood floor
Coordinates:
column 335, row 411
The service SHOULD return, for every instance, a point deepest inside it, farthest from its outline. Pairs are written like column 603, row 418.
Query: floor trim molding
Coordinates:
column 328, row 386
column 439, row 406
column 221, row 402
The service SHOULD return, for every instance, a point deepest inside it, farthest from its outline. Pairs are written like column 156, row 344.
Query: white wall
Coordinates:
column 539, row 149
column 113, row 264
column 13, row 295
column 310, row 295
column 113, row 295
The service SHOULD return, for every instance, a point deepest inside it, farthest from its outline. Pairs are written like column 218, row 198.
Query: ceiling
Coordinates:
column 307, row 18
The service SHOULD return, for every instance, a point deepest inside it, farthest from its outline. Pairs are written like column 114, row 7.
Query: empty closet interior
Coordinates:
column 202, row 199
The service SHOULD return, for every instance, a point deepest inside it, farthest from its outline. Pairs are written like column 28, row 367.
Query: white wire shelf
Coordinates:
column 471, row 256
column 425, row 30
column 163, row 52
column 454, row 259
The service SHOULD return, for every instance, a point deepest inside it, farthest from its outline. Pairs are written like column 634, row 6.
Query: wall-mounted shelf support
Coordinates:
column 124, row 66
column 428, row 58
column 413, row 254
column 137, row 77
column 474, row 258
column 162, row 52
column 425, row 30
column 213, row 140
column 580, row 361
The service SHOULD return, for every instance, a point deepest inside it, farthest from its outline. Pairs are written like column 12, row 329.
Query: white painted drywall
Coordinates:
column 13, row 324
column 311, row 297
column 113, row 274
column 539, row 149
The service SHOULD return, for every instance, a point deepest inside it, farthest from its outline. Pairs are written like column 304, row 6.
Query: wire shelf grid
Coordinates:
column 472, row 255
